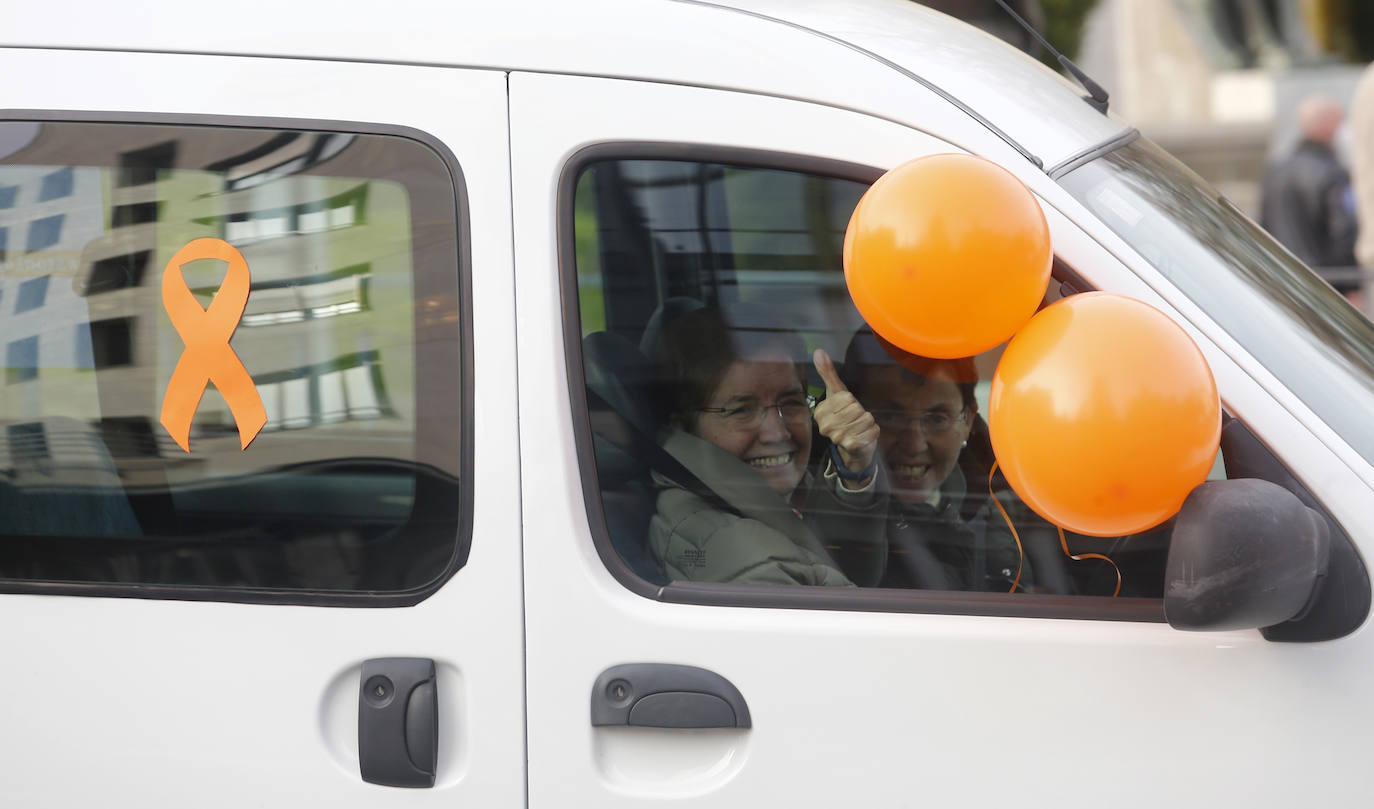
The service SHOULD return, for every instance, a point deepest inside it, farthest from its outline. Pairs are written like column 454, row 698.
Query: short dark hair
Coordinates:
column 697, row 349
column 867, row 350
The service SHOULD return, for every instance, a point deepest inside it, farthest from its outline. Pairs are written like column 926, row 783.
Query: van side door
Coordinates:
column 257, row 335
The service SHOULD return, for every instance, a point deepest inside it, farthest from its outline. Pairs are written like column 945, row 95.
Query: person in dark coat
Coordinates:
column 1307, row 202
column 924, row 408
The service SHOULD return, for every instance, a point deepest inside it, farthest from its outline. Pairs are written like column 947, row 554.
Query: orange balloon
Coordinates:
column 1104, row 415
column 947, row 256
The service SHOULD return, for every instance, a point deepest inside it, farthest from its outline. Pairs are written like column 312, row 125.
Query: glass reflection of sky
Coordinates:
column 1301, row 329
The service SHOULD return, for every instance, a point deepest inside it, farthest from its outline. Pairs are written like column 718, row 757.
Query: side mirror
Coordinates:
column 1245, row 554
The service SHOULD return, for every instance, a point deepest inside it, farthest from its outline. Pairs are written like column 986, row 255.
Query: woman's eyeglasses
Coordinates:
column 791, row 409
column 931, row 422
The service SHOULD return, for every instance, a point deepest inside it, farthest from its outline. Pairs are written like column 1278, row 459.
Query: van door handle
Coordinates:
column 398, row 722
column 662, row 695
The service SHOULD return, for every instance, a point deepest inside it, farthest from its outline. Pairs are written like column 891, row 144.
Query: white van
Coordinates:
column 407, row 563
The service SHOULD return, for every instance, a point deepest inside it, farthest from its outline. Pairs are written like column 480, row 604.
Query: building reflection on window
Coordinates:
column 138, row 213
column 26, row 442
column 21, row 360
column 348, row 388
column 105, row 343
column 57, row 184
column 32, row 294
column 117, row 272
column 141, row 166
column 102, row 228
column 314, row 297
column 44, row 233
column 132, row 436
column 287, row 153
column 339, row 211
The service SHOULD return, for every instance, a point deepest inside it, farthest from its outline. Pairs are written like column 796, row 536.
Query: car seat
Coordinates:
column 619, row 390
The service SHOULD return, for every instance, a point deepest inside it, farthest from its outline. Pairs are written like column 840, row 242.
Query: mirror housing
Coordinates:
column 1245, row 554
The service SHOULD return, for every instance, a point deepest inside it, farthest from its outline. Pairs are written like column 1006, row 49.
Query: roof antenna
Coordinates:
column 1096, row 96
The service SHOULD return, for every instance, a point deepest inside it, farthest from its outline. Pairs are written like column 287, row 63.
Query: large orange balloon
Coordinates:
column 947, row 256
column 1104, row 415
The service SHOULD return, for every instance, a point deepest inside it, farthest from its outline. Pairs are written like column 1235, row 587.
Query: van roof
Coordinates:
column 861, row 54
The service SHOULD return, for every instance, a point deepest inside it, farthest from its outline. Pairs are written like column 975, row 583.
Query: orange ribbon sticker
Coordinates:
column 208, row 356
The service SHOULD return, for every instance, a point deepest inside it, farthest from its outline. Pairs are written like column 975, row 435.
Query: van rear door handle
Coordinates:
column 398, row 722
column 662, row 695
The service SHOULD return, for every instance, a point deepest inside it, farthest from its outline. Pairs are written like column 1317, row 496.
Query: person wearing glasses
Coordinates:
column 740, row 422
column 924, row 409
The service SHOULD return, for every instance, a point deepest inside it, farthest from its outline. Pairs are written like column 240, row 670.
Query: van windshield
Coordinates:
column 1303, row 331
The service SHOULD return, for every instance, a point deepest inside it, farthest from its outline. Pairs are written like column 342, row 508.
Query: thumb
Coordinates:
column 826, row 367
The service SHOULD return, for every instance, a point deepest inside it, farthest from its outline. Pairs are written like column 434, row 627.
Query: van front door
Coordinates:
column 652, row 683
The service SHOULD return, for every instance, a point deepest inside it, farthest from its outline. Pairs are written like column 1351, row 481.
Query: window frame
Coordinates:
column 1019, row 605
column 464, row 353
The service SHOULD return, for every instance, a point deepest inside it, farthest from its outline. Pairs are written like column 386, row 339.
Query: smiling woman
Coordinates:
column 926, row 409
column 726, row 386
column 739, row 417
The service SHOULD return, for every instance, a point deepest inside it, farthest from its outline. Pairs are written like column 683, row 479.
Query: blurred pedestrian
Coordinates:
column 1362, row 164
column 1307, row 201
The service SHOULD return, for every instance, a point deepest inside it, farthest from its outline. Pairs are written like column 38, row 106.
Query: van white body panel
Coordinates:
column 134, row 702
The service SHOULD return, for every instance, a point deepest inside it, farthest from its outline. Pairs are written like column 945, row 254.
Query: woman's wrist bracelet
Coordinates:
column 846, row 473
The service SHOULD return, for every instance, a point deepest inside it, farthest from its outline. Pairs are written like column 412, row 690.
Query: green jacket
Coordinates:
column 746, row 533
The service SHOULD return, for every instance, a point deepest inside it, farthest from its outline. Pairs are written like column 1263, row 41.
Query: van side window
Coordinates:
column 229, row 354
column 704, row 291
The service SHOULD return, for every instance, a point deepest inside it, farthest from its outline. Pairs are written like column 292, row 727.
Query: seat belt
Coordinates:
column 641, row 445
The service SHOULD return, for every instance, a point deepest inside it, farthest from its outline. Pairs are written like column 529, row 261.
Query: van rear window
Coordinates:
column 229, row 361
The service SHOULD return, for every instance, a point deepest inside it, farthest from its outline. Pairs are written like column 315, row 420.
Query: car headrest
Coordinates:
column 666, row 313
column 621, row 376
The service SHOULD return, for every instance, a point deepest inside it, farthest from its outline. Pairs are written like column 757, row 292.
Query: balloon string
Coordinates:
column 1063, row 543
column 1020, row 552
column 1077, row 558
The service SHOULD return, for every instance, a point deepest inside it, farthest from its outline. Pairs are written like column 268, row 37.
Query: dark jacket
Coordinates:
column 1307, row 205
column 931, row 548
column 741, row 531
